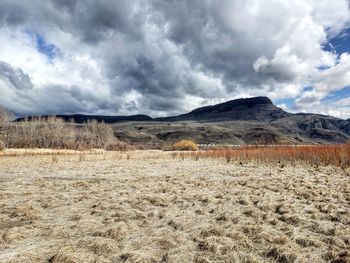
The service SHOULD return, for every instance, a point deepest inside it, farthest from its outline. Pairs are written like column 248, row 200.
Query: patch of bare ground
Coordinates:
column 146, row 206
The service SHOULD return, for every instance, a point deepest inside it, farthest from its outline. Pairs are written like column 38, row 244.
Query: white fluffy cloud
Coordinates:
column 166, row 57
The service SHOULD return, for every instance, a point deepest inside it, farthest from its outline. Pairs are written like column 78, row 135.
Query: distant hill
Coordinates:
column 242, row 121
column 81, row 118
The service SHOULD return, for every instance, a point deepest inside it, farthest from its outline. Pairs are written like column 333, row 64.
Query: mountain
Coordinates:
column 242, row 121
column 257, row 109
column 80, row 118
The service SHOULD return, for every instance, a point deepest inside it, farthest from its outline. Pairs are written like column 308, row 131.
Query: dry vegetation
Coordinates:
column 315, row 155
column 185, row 145
column 5, row 117
column 55, row 133
column 145, row 206
column 47, row 152
column 2, row 145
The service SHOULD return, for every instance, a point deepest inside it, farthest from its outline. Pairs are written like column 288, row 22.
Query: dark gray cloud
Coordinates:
column 12, row 14
column 16, row 77
column 65, row 5
column 162, row 56
column 93, row 21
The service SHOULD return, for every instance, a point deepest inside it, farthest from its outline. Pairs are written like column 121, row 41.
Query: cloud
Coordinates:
column 336, row 77
column 166, row 57
column 18, row 91
column 16, row 77
column 326, row 82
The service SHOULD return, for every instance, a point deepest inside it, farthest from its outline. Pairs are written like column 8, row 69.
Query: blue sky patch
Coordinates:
column 288, row 102
column 337, row 95
column 48, row 49
column 339, row 44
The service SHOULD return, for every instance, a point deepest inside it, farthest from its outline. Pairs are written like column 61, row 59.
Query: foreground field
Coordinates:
column 148, row 206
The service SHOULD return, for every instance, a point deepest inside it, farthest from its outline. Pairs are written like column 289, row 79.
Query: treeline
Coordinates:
column 55, row 133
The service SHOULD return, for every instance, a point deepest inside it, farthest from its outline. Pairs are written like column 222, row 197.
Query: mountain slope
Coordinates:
column 258, row 109
column 315, row 126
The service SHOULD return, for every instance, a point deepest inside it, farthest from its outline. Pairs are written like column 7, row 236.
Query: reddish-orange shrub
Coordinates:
column 338, row 155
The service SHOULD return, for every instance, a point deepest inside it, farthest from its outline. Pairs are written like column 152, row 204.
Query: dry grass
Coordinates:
column 151, row 207
column 45, row 152
column 338, row 155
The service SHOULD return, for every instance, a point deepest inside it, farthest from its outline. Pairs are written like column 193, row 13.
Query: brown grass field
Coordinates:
column 152, row 206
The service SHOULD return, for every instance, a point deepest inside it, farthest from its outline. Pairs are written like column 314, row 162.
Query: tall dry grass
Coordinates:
column 338, row 155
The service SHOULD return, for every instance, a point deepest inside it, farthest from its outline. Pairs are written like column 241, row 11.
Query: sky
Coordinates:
column 166, row 57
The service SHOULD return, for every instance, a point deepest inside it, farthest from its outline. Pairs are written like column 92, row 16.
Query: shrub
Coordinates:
column 5, row 117
column 118, row 146
column 55, row 133
column 338, row 155
column 2, row 145
column 185, row 145
column 101, row 134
